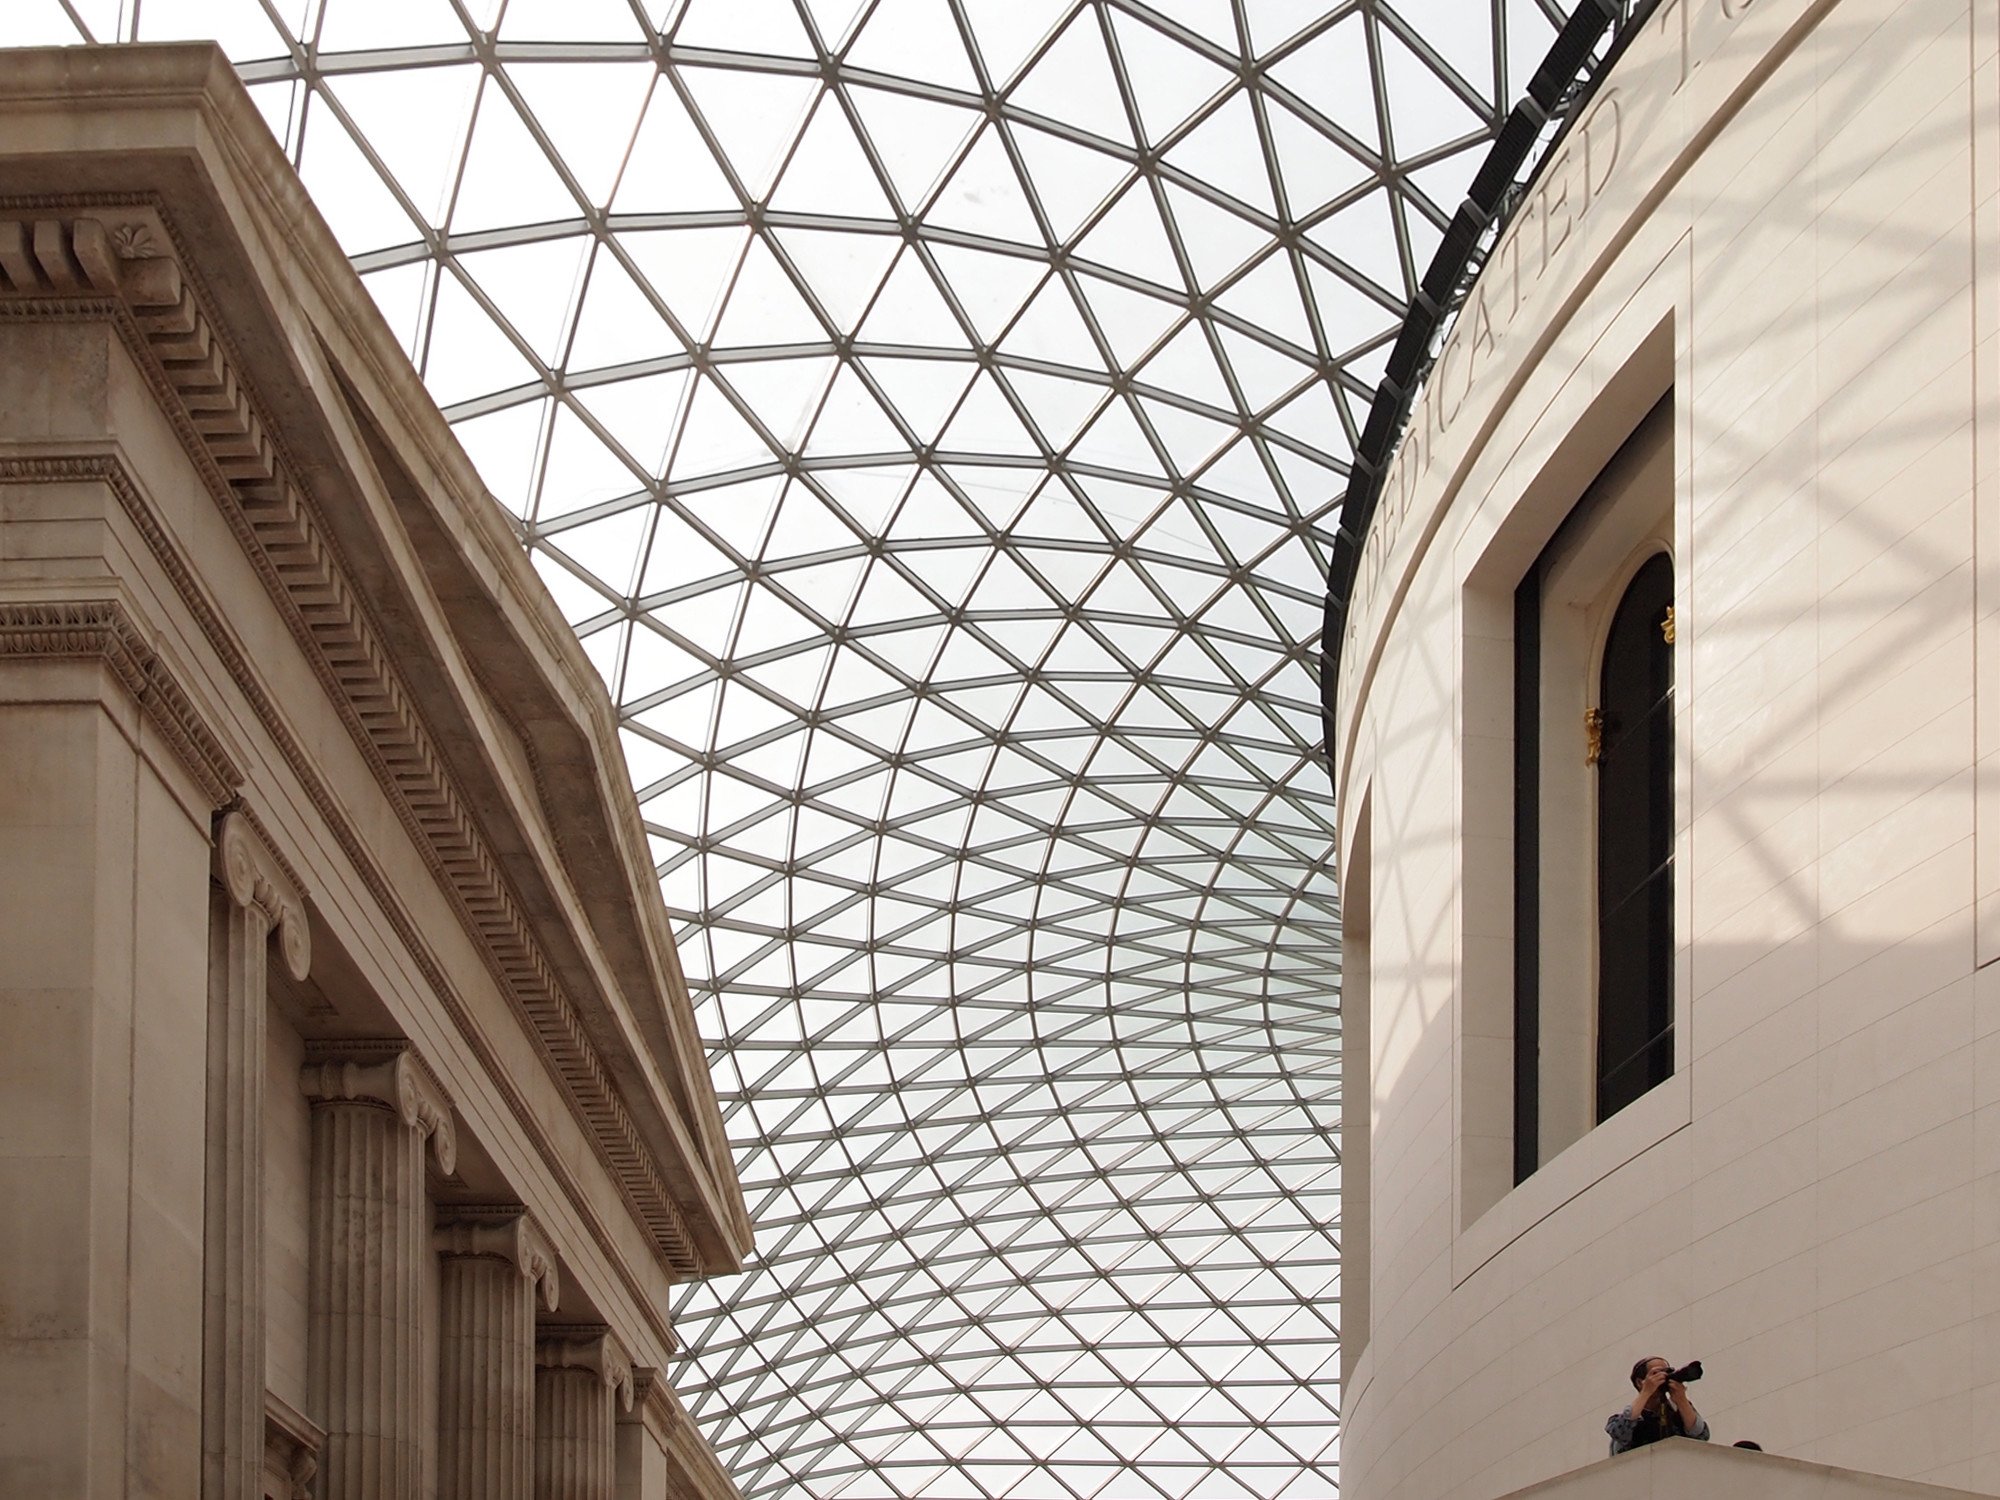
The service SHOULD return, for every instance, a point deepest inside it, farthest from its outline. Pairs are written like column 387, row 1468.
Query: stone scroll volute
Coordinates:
column 255, row 880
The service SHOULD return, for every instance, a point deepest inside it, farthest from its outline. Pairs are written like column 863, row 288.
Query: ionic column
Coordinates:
column 581, row 1372
column 494, row 1262
column 252, row 900
column 374, row 1105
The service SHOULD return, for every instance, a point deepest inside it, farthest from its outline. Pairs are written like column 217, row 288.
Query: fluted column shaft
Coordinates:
column 493, row 1263
column 253, row 898
column 582, row 1374
column 367, row 1261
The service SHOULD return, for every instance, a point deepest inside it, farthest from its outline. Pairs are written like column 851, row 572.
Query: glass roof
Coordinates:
column 931, row 415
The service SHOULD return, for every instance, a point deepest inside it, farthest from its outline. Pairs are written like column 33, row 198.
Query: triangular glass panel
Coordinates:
column 608, row 548
column 1331, row 74
column 714, row 437
column 1424, row 111
column 1058, row 404
column 1006, row 31
column 1217, row 240
column 755, row 116
column 1130, row 238
column 924, row 391
column 401, row 293
column 913, row 137
column 671, row 168
column 1313, row 168
column 1263, row 373
column 1131, row 322
column 828, row 173
column 534, row 288
column 841, row 268
column 241, row 26
column 832, row 19
column 984, row 196
column 1226, row 151
column 1186, row 366
column 915, row 39
column 617, row 323
column 467, row 353
column 764, row 307
column 415, row 120
column 687, row 269
column 1116, row 441
column 569, row 20
column 507, row 177
column 639, row 414
column 357, row 203
column 679, row 556
column 783, row 393
column 753, row 26
column 589, row 112
column 990, row 287
column 502, row 446
column 1070, row 180
column 1051, row 330
column 1267, row 297
column 1073, row 82
column 852, row 422
column 1364, row 237
column 910, row 310
column 986, row 423
column 1168, row 81
column 580, row 471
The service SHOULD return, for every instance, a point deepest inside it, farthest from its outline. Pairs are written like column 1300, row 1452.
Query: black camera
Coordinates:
column 1689, row 1371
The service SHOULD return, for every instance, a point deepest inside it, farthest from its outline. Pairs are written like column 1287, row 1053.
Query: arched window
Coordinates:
column 1635, row 843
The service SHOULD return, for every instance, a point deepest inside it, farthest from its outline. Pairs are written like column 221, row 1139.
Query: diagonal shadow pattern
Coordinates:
column 932, row 416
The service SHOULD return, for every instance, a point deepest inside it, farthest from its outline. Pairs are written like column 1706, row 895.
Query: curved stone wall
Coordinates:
column 1784, row 213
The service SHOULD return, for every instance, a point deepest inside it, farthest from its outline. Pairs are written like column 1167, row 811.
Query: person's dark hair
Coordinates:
column 1639, row 1370
column 1746, row 1443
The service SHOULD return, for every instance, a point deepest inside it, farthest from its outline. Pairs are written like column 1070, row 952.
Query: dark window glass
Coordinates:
column 1635, row 845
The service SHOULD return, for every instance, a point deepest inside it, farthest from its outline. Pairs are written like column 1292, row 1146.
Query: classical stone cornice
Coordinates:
column 121, row 260
column 503, row 1232
column 292, row 1443
column 586, row 1346
column 256, row 875
column 389, row 1074
column 101, row 629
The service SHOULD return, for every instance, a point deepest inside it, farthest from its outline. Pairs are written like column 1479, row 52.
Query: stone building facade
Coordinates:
column 353, row 1122
column 1747, row 320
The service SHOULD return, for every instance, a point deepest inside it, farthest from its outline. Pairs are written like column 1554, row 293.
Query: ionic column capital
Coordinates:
column 503, row 1233
column 257, row 880
column 590, row 1347
column 386, row 1073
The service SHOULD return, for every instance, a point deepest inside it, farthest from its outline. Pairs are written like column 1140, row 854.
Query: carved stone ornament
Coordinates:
column 590, row 1347
column 81, row 629
column 251, row 871
column 291, row 1451
column 387, row 1073
column 505, row 1234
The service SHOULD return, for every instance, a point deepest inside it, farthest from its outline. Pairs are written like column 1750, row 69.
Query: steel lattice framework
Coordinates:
column 932, row 416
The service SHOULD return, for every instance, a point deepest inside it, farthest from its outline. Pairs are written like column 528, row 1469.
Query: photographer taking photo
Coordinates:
column 1661, row 1408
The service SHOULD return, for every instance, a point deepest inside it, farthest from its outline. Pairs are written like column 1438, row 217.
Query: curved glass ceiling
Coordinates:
column 931, row 415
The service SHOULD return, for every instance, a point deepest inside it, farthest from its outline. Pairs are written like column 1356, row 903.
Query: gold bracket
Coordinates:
column 1593, row 736
column 1667, row 626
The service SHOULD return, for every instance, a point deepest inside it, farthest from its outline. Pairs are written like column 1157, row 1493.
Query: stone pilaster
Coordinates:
column 374, row 1106
column 582, row 1374
column 252, row 901
column 494, row 1263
